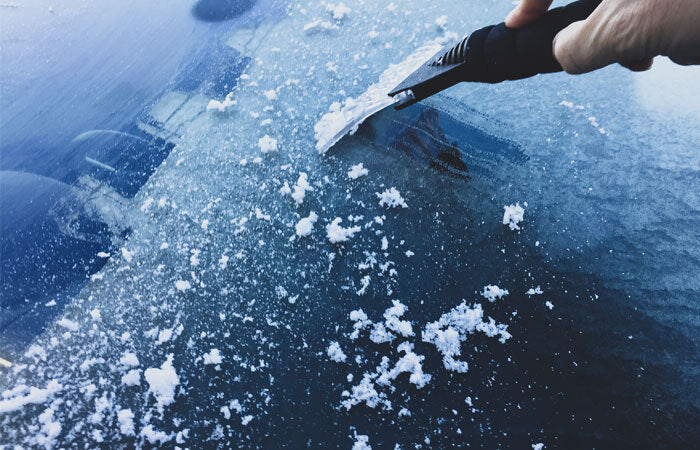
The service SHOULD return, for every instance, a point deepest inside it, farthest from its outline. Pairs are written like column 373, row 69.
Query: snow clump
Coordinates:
column 448, row 333
column 357, row 171
column 335, row 352
column 162, row 382
column 391, row 198
column 306, row 225
column 267, row 144
column 493, row 292
column 336, row 233
column 513, row 215
column 338, row 11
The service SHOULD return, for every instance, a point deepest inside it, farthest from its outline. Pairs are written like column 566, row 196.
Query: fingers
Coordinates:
column 526, row 12
column 639, row 65
column 686, row 60
column 612, row 33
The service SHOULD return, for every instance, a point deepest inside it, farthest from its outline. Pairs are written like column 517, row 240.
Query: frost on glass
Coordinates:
column 397, row 289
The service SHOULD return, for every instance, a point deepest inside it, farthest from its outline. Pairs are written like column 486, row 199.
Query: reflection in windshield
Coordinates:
column 220, row 10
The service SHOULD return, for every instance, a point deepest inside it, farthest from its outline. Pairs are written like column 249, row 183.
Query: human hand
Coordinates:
column 629, row 32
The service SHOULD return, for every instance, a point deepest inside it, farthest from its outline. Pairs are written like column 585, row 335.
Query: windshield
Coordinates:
column 499, row 265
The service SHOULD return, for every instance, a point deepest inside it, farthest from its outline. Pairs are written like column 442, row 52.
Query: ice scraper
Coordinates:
column 492, row 54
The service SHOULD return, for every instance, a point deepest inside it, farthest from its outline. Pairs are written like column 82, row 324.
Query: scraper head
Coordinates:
column 437, row 74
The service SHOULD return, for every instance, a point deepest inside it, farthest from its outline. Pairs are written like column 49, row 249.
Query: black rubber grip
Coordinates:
column 497, row 53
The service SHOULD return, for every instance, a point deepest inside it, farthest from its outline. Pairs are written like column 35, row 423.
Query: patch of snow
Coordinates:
column 391, row 198
column 129, row 359
column 513, row 215
column 162, row 382
column 125, row 419
column 50, row 429
column 267, row 144
column 361, row 442
column 493, row 292
column 335, row 352
column 536, row 291
column 306, row 225
column 302, row 185
column 357, row 171
column 338, row 11
column 12, row 401
column 67, row 323
column 215, row 105
column 155, row 436
column 132, row 378
column 319, row 25
column 128, row 255
column 213, row 357
column 336, row 233
column 452, row 329
column 182, row 285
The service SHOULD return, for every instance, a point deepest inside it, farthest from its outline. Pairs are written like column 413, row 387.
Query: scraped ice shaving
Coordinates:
column 365, row 284
column 245, row 420
column 409, row 363
column 365, row 392
column 357, row 171
column 536, row 291
column 50, row 429
column 128, row 255
column 392, row 321
column 549, row 304
column 132, row 378
column 441, row 21
column 539, row 446
column 302, row 185
column 361, row 442
column 336, row 233
column 13, row 400
column 306, row 225
column 164, row 336
column 335, row 353
column 338, row 11
column 270, row 95
column 267, row 144
column 213, row 357
column 361, row 321
column 493, row 292
column 346, row 117
column 129, row 359
column 215, row 105
column 155, row 436
column 67, row 323
column 162, row 382
column 319, row 25
column 391, row 198
column 182, row 285
column 125, row 418
column 513, row 215
column 452, row 329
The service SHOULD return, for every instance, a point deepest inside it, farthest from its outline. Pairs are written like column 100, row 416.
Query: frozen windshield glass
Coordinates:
column 500, row 265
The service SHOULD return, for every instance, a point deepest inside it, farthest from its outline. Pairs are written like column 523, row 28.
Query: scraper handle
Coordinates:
column 497, row 53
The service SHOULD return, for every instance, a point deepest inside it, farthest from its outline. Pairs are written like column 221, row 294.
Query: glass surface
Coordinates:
column 159, row 286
